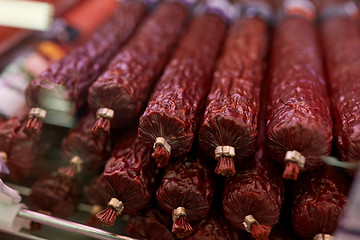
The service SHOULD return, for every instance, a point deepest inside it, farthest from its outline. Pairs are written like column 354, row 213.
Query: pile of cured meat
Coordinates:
column 199, row 124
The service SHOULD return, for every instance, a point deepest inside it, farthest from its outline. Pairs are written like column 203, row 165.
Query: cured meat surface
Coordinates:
column 341, row 44
column 299, row 117
column 231, row 114
column 186, row 192
column 129, row 178
column 319, row 200
column 127, row 82
column 71, row 77
column 173, row 111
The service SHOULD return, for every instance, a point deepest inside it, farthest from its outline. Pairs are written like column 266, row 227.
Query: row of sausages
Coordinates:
column 291, row 118
column 299, row 120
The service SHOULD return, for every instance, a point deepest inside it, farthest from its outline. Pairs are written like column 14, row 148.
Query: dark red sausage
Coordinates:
column 71, row 77
column 319, row 200
column 20, row 152
column 258, row 192
column 55, row 196
column 128, row 180
column 299, row 123
column 231, row 114
column 84, row 149
column 255, row 195
column 177, row 101
column 214, row 228
column 253, row 198
column 150, row 226
column 341, row 44
column 126, row 84
column 186, row 192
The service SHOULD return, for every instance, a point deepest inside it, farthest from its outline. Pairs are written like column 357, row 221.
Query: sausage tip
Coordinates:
column 225, row 166
column 291, row 171
column 181, row 227
column 33, row 126
column 161, row 156
column 102, row 126
column 107, row 217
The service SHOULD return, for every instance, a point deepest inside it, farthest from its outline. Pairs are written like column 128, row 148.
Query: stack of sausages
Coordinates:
column 169, row 93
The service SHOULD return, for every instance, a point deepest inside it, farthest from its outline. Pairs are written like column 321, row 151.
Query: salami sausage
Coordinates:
column 318, row 202
column 151, row 226
column 252, row 199
column 55, row 195
column 214, row 228
column 120, row 93
column 171, row 117
column 84, row 149
column 186, row 191
column 71, row 77
column 128, row 180
column 341, row 44
column 299, row 122
column 20, row 152
column 230, row 119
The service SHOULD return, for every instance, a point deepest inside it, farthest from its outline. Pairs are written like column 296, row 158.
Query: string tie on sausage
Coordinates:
column 162, row 151
column 225, row 155
column 108, row 216
column 103, row 124
column 257, row 230
column 322, row 236
column 180, row 226
column 75, row 166
column 294, row 161
column 303, row 8
column 35, row 122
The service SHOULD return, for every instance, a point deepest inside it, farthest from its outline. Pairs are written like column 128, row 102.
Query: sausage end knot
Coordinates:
column 160, row 141
column 248, row 221
column 178, row 212
column 117, row 205
column 296, row 157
